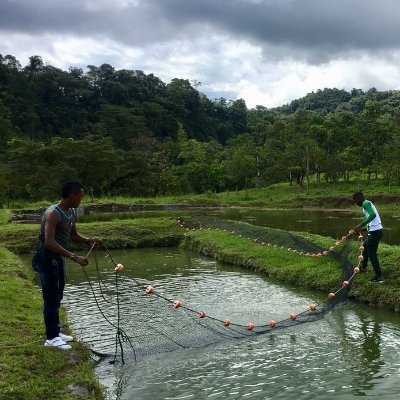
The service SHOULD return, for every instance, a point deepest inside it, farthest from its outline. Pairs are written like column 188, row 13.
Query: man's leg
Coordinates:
column 373, row 242
column 51, row 301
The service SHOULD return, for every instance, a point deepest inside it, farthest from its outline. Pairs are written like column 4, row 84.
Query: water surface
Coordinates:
column 352, row 352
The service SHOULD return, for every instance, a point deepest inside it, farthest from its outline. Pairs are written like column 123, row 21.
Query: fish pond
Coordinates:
column 352, row 352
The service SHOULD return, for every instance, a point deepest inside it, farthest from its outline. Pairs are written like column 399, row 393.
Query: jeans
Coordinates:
column 370, row 249
column 52, row 279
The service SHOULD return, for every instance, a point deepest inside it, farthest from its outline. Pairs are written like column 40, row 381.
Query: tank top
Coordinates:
column 64, row 225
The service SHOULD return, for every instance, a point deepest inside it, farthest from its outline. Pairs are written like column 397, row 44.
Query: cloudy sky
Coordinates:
column 267, row 52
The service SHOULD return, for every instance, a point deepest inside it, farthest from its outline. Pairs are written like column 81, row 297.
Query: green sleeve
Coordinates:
column 368, row 207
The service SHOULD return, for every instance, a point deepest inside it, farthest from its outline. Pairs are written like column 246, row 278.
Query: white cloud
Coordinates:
column 256, row 55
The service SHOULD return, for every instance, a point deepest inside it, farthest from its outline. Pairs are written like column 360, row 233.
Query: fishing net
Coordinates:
column 143, row 319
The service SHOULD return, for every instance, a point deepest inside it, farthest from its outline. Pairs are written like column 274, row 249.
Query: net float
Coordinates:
column 250, row 326
column 312, row 307
column 361, row 237
column 356, row 270
column 360, row 258
column 271, row 323
column 118, row 268
column 325, row 252
column 176, row 304
column 331, row 248
column 361, row 248
column 331, row 296
column 227, row 322
column 149, row 289
column 293, row 316
column 201, row 314
column 345, row 283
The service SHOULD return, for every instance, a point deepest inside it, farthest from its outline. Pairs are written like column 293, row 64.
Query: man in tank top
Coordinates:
column 57, row 228
column 373, row 223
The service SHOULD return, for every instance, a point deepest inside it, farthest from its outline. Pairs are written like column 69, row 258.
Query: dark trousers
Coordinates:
column 52, row 278
column 370, row 251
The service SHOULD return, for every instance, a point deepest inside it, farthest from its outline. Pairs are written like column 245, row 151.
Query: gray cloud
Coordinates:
column 311, row 29
column 268, row 51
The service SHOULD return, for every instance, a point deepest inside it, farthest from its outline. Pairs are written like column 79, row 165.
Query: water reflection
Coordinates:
column 370, row 365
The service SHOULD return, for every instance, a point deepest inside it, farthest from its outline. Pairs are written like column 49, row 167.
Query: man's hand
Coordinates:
column 80, row 260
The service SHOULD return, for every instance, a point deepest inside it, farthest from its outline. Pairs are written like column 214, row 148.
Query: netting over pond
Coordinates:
column 145, row 320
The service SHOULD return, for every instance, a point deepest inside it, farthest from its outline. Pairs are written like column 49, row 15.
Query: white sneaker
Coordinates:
column 65, row 338
column 57, row 342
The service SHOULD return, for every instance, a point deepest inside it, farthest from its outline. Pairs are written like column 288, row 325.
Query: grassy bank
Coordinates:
column 28, row 370
column 117, row 234
column 282, row 195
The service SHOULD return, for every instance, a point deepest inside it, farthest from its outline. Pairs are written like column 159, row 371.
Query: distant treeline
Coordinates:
column 127, row 133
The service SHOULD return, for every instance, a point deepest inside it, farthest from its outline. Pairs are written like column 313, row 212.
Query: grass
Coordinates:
column 28, row 370
column 5, row 216
column 321, row 195
column 321, row 274
column 117, row 234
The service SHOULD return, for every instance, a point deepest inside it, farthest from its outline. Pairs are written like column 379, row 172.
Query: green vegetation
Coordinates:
column 28, row 370
column 273, row 196
column 4, row 216
column 125, row 133
column 140, row 232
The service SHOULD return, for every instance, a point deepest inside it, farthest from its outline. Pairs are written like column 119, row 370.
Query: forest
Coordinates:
column 124, row 132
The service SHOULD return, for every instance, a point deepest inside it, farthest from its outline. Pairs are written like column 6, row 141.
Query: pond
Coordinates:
column 333, row 223
column 351, row 352
column 323, row 222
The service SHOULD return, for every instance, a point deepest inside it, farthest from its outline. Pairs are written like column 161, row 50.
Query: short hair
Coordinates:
column 70, row 188
column 358, row 194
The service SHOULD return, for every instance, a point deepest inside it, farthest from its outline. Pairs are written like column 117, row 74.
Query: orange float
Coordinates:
column 149, row 290
column 118, row 268
column 227, row 322
column 176, row 304
column 293, row 316
column 250, row 326
column 271, row 323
